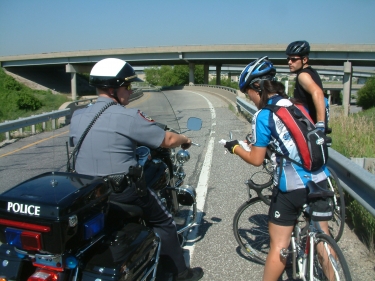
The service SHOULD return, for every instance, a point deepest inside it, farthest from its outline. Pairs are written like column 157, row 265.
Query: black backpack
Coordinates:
column 311, row 142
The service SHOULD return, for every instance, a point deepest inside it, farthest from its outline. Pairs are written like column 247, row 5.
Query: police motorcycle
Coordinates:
column 61, row 225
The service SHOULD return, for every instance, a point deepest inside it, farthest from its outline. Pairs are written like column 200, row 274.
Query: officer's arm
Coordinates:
column 254, row 157
column 174, row 140
column 316, row 93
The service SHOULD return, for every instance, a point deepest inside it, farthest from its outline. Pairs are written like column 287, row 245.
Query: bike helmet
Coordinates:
column 299, row 48
column 112, row 73
column 258, row 70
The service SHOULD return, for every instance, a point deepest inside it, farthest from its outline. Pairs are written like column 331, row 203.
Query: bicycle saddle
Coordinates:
column 315, row 191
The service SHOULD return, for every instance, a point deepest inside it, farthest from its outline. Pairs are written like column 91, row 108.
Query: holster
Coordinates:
column 136, row 173
column 121, row 181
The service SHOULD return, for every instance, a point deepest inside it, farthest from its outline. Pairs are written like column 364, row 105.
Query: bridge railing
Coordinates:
column 234, row 91
column 358, row 182
column 58, row 118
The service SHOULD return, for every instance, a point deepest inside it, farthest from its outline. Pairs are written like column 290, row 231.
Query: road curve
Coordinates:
column 212, row 244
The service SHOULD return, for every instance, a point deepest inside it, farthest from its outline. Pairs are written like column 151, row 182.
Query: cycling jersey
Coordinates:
column 267, row 128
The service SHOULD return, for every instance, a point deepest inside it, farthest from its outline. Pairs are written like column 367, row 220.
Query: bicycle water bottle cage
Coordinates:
column 315, row 191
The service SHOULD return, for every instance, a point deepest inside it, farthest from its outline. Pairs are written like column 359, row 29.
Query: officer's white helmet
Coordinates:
column 112, row 73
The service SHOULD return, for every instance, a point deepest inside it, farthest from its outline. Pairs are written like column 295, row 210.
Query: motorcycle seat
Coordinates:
column 125, row 210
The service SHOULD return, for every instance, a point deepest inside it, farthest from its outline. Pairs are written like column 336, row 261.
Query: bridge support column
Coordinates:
column 347, row 81
column 218, row 74
column 206, row 69
column 191, row 72
column 73, row 83
column 73, row 70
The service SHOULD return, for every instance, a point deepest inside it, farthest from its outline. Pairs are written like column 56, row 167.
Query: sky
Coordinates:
column 46, row 26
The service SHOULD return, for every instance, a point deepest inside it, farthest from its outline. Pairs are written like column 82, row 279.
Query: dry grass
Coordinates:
column 354, row 135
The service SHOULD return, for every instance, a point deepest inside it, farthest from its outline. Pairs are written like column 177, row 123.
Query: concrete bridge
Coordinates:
column 346, row 56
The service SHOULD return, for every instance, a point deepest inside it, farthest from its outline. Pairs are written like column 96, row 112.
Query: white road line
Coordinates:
column 202, row 186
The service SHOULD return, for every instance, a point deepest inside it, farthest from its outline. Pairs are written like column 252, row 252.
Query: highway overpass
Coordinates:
column 345, row 56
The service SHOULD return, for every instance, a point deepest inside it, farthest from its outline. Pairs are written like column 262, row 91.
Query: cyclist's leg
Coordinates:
column 282, row 215
column 279, row 239
column 329, row 262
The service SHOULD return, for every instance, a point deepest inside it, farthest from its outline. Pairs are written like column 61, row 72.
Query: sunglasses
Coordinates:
column 293, row 59
column 127, row 86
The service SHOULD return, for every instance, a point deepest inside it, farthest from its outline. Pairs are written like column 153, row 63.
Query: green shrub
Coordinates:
column 27, row 101
column 366, row 95
column 11, row 84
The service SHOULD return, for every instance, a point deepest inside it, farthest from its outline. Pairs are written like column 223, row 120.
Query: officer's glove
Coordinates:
column 230, row 145
column 321, row 126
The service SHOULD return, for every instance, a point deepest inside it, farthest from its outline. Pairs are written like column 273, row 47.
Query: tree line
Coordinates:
column 178, row 75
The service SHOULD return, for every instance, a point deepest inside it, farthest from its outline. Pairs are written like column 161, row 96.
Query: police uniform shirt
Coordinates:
column 110, row 145
column 266, row 128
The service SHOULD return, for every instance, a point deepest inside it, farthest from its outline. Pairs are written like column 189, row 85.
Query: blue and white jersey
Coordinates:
column 268, row 128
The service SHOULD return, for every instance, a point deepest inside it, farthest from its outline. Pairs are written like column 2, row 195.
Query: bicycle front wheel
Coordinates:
column 337, row 223
column 328, row 262
column 250, row 228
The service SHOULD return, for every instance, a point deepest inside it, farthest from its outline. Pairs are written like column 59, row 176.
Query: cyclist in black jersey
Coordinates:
column 308, row 87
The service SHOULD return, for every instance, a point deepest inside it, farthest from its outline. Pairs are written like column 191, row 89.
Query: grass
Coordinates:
column 353, row 136
column 17, row 100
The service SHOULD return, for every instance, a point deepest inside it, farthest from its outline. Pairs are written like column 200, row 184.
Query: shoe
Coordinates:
column 190, row 274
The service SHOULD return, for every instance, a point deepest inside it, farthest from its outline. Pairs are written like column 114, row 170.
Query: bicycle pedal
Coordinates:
column 284, row 253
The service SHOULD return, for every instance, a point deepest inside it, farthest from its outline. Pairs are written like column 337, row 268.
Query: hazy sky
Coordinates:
column 44, row 26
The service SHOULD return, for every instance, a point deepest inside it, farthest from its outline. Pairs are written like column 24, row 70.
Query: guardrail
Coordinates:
column 8, row 126
column 63, row 116
column 216, row 86
column 358, row 182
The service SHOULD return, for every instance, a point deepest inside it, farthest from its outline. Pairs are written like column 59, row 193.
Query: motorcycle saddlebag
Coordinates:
column 127, row 255
column 59, row 208
column 12, row 266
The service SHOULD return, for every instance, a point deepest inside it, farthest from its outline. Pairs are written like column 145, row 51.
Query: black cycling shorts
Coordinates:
column 285, row 206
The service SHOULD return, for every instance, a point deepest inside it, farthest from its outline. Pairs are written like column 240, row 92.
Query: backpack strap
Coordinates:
column 285, row 115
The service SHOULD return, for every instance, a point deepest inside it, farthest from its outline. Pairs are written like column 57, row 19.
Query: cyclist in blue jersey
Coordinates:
column 289, row 194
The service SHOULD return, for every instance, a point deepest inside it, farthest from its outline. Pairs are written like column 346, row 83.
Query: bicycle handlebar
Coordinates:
column 258, row 188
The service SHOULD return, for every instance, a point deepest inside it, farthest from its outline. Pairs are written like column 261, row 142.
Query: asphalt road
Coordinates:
column 219, row 179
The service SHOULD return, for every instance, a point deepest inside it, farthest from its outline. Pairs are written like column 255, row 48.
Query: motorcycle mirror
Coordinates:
column 194, row 124
column 230, row 135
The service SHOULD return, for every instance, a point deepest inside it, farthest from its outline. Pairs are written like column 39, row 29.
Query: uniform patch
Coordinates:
column 148, row 118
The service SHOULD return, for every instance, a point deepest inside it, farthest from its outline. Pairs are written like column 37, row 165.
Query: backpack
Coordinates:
column 311, row 142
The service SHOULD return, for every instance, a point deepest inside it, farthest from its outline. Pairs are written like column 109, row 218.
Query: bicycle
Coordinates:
column 250, row 227
column 337, row 223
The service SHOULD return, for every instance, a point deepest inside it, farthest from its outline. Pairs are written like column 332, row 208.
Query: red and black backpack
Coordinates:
column 311, row 142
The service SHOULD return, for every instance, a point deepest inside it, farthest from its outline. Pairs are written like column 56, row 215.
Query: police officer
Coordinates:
column 308, row 87
column 109, row 148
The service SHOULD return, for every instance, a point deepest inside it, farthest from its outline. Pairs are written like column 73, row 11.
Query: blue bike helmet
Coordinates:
column 258, row 70
column 298, row 48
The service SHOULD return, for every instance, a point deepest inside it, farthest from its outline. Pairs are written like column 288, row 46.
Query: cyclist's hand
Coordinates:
column 230, row 145
column 321, row 126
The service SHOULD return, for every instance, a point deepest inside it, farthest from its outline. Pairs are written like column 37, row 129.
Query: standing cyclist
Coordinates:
column 308, row 88
column 110, row 148
column 289, row 194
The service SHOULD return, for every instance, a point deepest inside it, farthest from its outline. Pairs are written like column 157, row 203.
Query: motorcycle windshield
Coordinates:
column 156, row 105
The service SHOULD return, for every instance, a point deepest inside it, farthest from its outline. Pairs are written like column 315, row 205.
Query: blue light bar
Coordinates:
column 13, row 237
column 93, row 226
